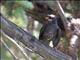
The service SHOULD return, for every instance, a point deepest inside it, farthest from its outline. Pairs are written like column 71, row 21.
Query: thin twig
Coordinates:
column 21, row 48
column 15, row 57
column 62, row 14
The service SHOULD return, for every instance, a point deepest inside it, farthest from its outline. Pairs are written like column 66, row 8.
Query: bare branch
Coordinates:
column 62, row 14
column 21, row 49
column 15, row 57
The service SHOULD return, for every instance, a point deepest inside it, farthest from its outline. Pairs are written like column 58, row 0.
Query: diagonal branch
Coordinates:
column 15, row 57
column 30, row 41
column 62, row 14
column 18, row 46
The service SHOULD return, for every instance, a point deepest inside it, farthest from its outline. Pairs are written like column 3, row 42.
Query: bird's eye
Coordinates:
column 50, row 17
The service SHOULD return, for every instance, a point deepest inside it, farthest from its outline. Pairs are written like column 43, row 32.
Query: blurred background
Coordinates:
column 17, row 11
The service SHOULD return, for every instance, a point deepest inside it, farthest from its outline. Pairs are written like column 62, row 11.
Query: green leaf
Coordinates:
column 25, row 4
column 21, row 18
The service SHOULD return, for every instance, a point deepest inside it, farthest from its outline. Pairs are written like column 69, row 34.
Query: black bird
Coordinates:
column 50, row 32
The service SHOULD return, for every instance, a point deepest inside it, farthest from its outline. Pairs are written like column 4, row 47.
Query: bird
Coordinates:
column 50, row 31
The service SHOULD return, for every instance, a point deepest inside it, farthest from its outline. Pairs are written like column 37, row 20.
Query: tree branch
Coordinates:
column 15, row 57
column 62, row 14
column 30, row 41
column 18, row 46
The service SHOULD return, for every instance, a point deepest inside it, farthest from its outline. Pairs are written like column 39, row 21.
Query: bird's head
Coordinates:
column 50, row 17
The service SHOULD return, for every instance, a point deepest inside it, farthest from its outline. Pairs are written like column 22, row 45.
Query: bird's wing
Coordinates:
column 56, row 38
column 42, row 31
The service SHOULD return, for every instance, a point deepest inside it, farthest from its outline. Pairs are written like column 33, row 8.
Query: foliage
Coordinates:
column 15, row 10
